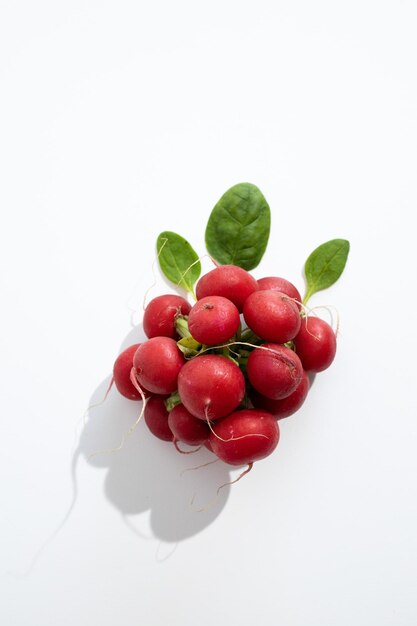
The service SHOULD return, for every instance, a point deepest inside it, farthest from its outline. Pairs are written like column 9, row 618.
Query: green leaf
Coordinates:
column 238, row 227
column 189, row 346
column 177, row 260
column 325, row 265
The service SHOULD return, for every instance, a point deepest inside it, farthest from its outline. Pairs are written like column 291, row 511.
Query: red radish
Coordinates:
column 315, row 344
column 158, row 362
column 213, row 320
column 186, row 427
column 272, row 315
column 160, row 314
column 250, row 435
column 121, row 374
column 156, row 418
column 286, row 406
column 274, row 370
column 280, row 284
column 230, row 281
column 211, row 386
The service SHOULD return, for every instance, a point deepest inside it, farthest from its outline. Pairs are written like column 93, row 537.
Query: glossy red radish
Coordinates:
column 157, row 363
column 245, row 436
column 186, row 427
column 213, row 320
column 286, row 406
column 280, row 284
column 230, row 281
column 274, row 370
column 315, row 344
column 121, row 374
column 160, row 314
column 156, row 418
column 211, row 386
column 272, row 315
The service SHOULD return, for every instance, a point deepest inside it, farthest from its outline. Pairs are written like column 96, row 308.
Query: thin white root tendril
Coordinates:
column 132, row 428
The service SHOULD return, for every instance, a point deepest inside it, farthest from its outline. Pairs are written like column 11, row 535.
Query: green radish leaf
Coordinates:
column 238, row 227
column 189, row 346
column 177, row 260
column 325, row 265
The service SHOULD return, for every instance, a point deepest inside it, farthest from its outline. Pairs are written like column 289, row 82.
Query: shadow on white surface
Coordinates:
column 145, row 474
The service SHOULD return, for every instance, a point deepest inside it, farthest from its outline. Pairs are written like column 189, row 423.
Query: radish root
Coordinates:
column 192, row 265
column 230, row 438
column 192, row 469
column 175, row 442
column 132, row 428
column 153, row 273
column 232, row 482
column 93, row 406
column 330, row 310
column 38, row 554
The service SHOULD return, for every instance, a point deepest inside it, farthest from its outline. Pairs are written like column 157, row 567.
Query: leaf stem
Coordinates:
column 181, row 326
column 308, row 294
column 249, row 336
column 172, row 401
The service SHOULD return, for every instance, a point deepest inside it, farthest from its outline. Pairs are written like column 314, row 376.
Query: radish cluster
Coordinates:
column 223, row 372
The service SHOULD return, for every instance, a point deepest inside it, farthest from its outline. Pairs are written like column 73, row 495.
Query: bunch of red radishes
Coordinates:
column 223, row 371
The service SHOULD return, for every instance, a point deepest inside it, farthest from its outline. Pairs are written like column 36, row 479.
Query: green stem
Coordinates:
column 307, row 296
column 181, row 326
column 173, row 400
column 249, row 336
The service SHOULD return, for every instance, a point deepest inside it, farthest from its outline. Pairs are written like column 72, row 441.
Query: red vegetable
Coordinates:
column 315, row 344
column 213, row 320
column 211, row 386
column 250, row 435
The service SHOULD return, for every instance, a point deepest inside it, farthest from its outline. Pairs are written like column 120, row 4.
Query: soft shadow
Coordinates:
column 311, row 378
column 149, row 475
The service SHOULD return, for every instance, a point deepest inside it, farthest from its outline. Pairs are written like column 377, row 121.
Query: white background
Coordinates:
column 122, row 119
